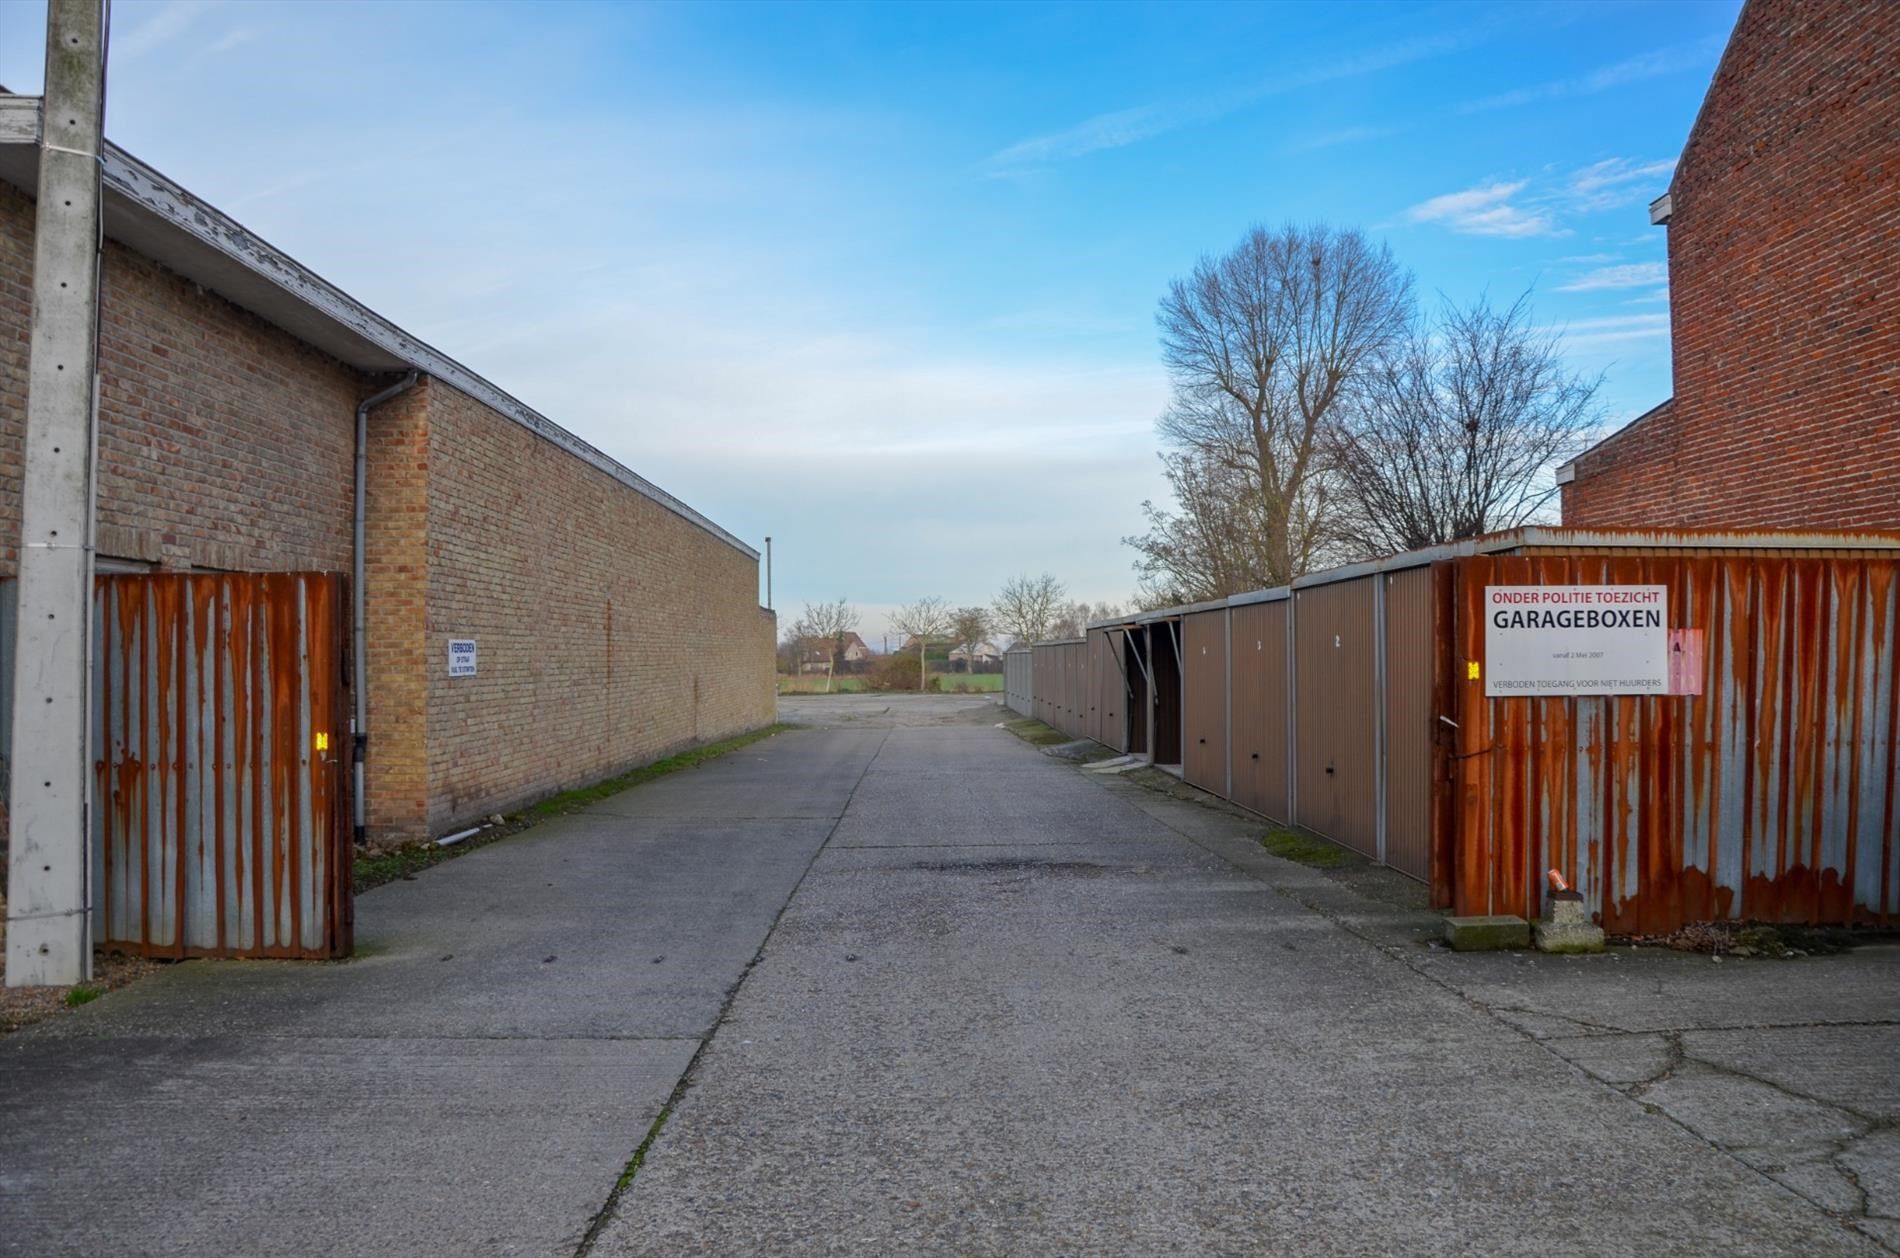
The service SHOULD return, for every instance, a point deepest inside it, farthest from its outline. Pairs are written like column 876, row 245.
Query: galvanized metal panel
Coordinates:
column 1257, row 668
column 1110, row 723
column 1019, row 688
column 1335, row 710
column 1204, row 714
column 1410, row 720
column 1770, row 796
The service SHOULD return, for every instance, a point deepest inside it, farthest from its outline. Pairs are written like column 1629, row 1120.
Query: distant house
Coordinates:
column 987, row 658
column 816, row 656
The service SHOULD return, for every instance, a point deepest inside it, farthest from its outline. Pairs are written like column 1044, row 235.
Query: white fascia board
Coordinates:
column 19, row 120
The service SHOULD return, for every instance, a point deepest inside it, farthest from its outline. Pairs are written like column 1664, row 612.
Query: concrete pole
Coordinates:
column 49, row 928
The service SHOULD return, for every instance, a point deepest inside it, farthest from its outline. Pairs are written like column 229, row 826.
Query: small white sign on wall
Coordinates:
column 461, row 657
column 1576, row 640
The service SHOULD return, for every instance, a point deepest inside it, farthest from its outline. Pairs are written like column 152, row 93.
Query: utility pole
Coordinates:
column 49, row 903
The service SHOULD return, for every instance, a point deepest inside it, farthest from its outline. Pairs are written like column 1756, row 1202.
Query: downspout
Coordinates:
column 359, row 617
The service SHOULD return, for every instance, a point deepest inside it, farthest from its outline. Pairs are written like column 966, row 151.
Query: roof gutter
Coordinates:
column 359, row 615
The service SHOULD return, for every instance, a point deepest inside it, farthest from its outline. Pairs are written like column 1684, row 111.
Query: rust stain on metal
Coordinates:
column 1765, row 794
column 220, row 826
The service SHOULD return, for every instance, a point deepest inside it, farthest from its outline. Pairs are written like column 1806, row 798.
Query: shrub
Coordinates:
column 892, row 672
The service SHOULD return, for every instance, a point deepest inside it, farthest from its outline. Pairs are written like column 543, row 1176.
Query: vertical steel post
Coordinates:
column 49, row 937
column 1379, row 583
column 1292, row 662
column 1227, row 694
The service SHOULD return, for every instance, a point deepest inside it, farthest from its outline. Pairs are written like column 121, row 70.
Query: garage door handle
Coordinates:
column 1203, row 742
column 1256, row 755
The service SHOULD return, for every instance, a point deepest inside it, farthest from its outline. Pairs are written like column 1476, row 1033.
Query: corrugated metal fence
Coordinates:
column 1349, row 705
column 220, row 732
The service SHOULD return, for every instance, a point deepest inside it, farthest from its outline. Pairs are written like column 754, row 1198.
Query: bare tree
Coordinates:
column 1458, row 430
column 1027, row 607
column 923, row 620
column 1214, row 544
column 822, row 627
column 1263, row 345
column 1074, row 619
column 970, row 626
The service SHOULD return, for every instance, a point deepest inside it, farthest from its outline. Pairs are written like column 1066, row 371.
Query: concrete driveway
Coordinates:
column 903, row 984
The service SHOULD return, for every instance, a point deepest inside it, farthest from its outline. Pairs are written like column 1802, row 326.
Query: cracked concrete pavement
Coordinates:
column 904, row 984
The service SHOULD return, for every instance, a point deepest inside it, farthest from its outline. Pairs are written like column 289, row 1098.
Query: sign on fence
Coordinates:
column 461, row 657
column 1547, row 640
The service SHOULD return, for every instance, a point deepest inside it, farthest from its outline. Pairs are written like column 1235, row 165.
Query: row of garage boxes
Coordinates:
column 1350, row 704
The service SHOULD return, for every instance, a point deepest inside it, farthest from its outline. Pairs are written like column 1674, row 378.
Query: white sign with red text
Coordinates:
column 1549, row 640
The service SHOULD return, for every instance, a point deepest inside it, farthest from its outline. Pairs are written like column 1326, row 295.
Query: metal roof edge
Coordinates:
column 1712, row 539
column 147, row 191
column 1061, row 642
column 1545, row 535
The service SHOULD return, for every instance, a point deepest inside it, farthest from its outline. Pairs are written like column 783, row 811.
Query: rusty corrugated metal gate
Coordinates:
column 220, row 735
column 1769, row 796
column 1351, row 704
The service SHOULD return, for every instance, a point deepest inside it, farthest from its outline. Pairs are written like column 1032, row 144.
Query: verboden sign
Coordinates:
column 1553, row 640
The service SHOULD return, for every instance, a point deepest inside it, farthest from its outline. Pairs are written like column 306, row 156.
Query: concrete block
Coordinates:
column 1566, row 926
column 1488, row 933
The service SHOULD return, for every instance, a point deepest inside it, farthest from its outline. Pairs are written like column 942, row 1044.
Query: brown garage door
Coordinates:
column 1257, row 664
column 1204, row 715
column 1336, row 769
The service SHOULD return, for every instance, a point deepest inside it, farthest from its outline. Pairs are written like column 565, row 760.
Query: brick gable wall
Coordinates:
column 1784, row 264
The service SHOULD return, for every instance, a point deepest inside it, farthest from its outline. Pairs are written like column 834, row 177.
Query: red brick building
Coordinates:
column 1784, row 263
column 615, row 623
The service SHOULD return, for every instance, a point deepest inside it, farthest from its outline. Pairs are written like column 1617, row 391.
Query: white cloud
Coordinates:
column 1485, row 210
column 1346, row 135
column 1104, row 131
column 167, row 23
column 1522, row 207
column 1618, row 181
column 1123, row 127
column 1611, row 329
column 1629, row 275
column 1648, row 65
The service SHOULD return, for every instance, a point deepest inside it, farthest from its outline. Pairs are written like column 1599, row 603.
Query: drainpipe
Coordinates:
column 359, row 626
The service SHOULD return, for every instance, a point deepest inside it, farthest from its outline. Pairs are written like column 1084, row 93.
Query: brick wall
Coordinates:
column 609, row 630
column 395, row 588
column 222, row 441
column 1784, row 261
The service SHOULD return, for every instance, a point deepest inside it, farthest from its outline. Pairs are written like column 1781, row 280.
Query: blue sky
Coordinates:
column 879, row 280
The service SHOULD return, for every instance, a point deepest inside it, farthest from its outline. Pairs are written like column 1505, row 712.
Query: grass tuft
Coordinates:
column 84, row 995
column 375, row 869
column 568, row 801
column 1305, row 849
column 1035, row 732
